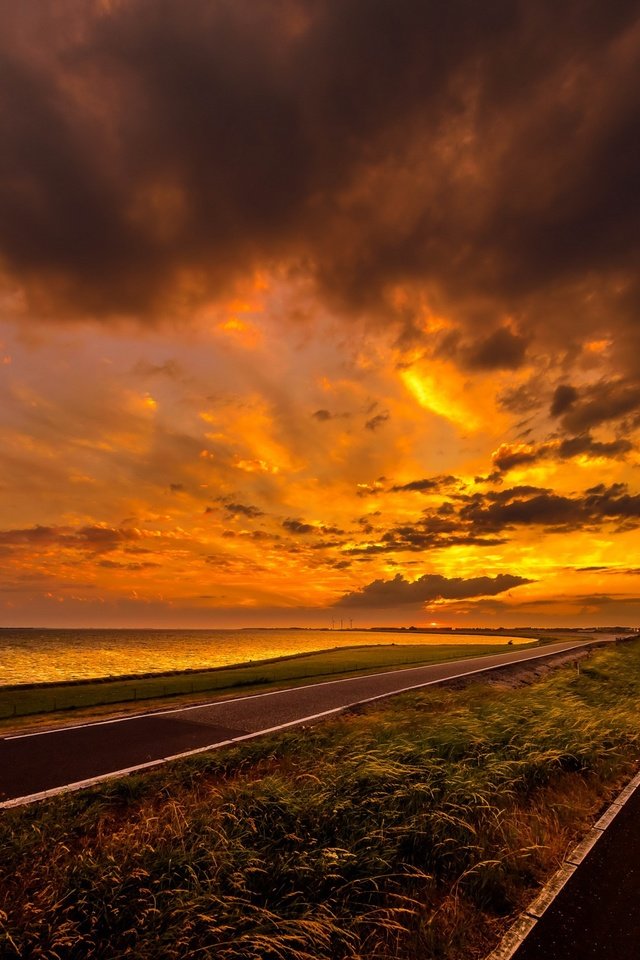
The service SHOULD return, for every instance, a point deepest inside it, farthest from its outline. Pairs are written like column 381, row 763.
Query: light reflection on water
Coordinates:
column 37, row 656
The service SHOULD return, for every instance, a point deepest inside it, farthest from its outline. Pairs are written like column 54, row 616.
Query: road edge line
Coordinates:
column 526, row 921
column 272, row 693
column 127, row 771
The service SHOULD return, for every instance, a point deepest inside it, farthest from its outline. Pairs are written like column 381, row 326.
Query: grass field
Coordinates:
column 411, row 829
column 22, row 701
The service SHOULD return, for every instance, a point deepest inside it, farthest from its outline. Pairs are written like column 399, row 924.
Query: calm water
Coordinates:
column 36, row 656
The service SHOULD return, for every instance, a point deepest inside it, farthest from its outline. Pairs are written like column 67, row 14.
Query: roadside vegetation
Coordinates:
column 409, row 829
column 20, row 701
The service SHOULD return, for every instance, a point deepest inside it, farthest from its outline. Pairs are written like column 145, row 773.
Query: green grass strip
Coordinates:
column 22, row 701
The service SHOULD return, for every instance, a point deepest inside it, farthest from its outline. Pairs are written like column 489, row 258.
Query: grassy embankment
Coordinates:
column 410, row 829
column 45, row 698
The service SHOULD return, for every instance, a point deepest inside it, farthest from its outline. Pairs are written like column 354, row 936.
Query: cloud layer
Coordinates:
column 427, row 589
column 154, row 153
column 311, row 303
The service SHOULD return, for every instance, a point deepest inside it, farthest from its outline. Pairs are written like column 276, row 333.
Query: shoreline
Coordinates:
column 25, row 701
column 240, row 665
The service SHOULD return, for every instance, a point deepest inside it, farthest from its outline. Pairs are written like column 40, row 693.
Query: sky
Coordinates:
column 315, row 310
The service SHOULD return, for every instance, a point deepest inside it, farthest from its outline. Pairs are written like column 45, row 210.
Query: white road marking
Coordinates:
column 81, row 784
column 306, row 686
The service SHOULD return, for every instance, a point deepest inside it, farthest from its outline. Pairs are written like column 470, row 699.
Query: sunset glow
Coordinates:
column 278, row 353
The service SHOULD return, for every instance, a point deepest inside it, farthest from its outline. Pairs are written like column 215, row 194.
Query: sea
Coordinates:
column 45, row 656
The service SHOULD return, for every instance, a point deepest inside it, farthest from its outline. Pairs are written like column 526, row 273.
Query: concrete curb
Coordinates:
column 527, row 920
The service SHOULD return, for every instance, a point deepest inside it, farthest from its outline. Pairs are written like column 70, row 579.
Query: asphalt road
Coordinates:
column 596, row 915
column 34, row 763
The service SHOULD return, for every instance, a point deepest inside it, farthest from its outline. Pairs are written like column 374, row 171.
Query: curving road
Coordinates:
column 39, row 764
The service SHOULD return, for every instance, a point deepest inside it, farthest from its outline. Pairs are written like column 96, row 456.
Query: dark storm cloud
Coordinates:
column 427, row 589
column 499, row 511
column 246, row 509
column 374, row 422
column 502, row 350
column 585, row 444
column 428, row 532
column 326, row 529
column 602, row 402
column 152, row 152
column 323, row 415
column 371, row 489
column 43, row 535
column 508, row 456
column 523, row 399
column 91, row 539
column 487, row 519
column 427, row 485
column 234, row 508
column 298, row 526
column 564, row 397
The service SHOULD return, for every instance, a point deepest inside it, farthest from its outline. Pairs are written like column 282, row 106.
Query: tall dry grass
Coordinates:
column 411, row 829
